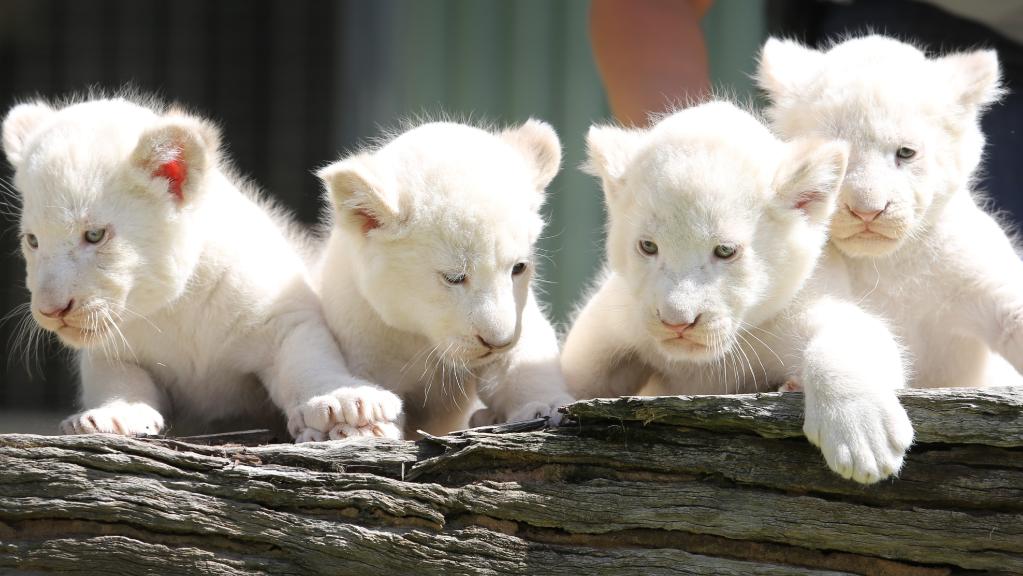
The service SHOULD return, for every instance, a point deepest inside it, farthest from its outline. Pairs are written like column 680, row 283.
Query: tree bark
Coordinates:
column 671, row 485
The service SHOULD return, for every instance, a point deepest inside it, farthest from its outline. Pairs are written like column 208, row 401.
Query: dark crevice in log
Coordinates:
column 742, row 550
column 468, row 465
column 43, row 529
column 711, row 545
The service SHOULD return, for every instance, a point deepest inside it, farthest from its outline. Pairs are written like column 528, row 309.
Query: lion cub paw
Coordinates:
column 127, row 419
column 374, row 430
column 363, row 411
column 864, row 440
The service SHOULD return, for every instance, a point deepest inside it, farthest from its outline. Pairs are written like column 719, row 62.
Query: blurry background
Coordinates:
column 295, row 84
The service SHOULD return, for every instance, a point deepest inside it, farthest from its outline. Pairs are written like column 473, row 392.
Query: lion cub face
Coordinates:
column 911, row 122
column 714, row 223
column 442, row 223
column 109, row 191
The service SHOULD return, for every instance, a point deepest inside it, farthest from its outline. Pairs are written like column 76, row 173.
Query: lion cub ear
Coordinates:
column 810, row 177
column 610, row 150
column 360, row 198
column 976, row 78
column 21, row 122
column 539, row 143
column 785, row 67
column 176, row 154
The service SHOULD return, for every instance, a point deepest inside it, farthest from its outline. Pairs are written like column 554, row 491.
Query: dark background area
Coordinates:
column 264, row 69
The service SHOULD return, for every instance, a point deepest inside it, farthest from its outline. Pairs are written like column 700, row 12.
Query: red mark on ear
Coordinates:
column 174, row 171
column 807, row 198
column 369, row 221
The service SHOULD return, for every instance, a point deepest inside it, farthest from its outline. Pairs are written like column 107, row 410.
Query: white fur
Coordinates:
column 198, row 305
column 939, row 267
column 445, row 198
column 713, row 175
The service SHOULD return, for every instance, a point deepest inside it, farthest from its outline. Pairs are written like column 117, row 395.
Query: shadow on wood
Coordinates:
column 671, row 485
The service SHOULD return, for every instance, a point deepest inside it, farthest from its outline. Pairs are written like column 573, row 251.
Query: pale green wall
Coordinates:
column 508, row 60
column 734, row 31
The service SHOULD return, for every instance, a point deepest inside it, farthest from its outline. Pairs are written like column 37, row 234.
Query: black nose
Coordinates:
column 492, row 346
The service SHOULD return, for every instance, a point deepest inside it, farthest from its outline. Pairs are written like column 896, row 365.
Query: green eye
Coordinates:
column 725, row 251
column 32, row 240
column 647, row 247
column 454, row 279
column 95, row 236
column 905, row 153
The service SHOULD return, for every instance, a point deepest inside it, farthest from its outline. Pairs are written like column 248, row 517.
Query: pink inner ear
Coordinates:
column 369, row 221
column 806, row 198
column 174, row 171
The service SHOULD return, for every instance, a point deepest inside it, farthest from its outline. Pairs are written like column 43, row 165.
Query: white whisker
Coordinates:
column 143, row 318
column 753, row 349
column 115, row 328
column 877, row 282
column 745, row 327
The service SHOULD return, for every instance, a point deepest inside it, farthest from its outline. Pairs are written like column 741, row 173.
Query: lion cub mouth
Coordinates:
column 868, row 234
column 77, row 335
column 868, row 242
column 487, row 357
column 685, row 346
column 685, row 342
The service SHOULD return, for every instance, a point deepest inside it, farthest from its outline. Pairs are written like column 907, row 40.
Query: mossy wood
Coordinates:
column 672, row 485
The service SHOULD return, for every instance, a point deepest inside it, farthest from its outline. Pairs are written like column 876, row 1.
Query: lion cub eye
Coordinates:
column 95, row 236
column 726, row 251
column 33, row 242
column 905, row 153
column 518, row 268
column 647, row 247
column 454, row 279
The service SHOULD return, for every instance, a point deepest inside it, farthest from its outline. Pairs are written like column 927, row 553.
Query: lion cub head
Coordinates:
column 912, row 123
column 714, row 224
column 111, row 226
column 440, row 225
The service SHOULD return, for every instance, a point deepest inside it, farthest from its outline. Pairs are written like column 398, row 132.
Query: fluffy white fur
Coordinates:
column 701, row 183
column 918, row 248
column 182, row 293
column 425, row 279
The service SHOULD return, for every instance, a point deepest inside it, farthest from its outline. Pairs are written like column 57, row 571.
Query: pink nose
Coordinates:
column 680, row 328
column 59, row 312
column 867, row 215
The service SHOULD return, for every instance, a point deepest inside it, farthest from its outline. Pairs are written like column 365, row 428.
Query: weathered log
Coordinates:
column 673, row 485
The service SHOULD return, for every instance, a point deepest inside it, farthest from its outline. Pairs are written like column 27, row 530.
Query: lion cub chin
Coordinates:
column 425, row 279
column 712, row 285
column 918, row 247
column 181, row 291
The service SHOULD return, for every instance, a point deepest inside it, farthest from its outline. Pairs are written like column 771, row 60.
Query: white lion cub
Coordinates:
column 181, row 291
column 918, row 248
column 425, row 279
column 715, row 228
